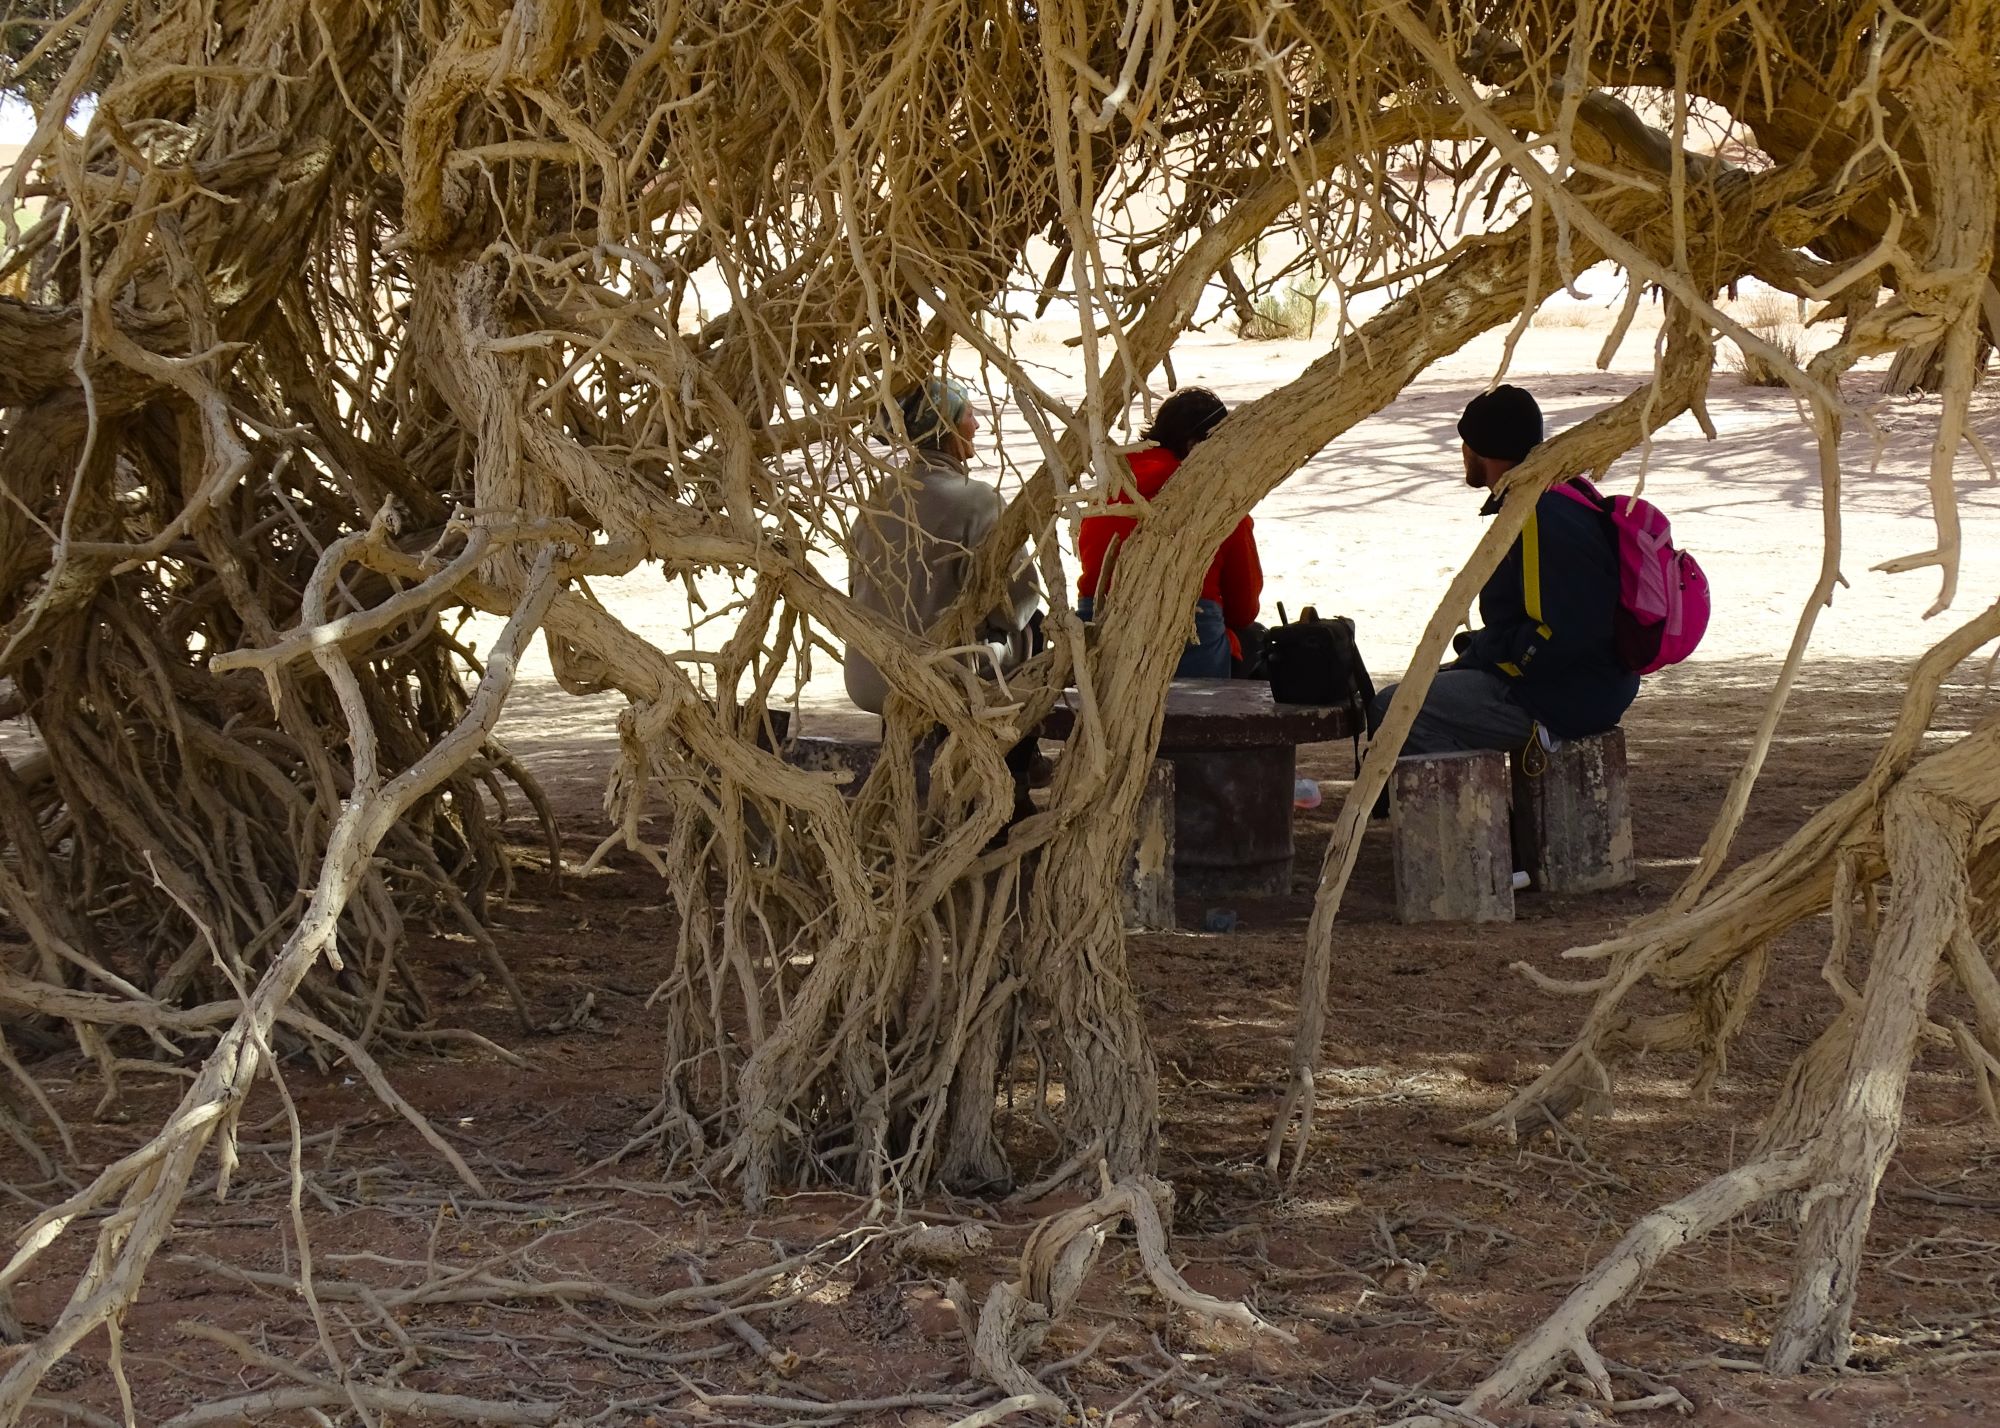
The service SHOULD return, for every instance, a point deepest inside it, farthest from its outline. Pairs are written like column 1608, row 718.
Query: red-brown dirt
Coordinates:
column 1404, row 1258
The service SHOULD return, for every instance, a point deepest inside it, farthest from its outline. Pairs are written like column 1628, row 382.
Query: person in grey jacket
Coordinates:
column 913, row 543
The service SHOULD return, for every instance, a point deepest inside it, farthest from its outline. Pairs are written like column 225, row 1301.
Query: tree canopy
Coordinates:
column 342, row 320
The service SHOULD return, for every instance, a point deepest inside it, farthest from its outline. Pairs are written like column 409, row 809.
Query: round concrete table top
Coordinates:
column 1227, row 714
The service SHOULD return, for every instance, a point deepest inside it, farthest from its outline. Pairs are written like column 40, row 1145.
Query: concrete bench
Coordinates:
column 1573, row 815
column 1449, row 838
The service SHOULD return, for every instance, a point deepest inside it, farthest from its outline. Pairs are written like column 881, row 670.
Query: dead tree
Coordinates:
column 345, row 320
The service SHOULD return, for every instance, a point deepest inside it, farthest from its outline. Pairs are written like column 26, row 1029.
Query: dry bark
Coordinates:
column 345, row 320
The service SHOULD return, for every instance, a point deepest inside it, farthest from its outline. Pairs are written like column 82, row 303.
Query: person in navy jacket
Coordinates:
column 1544, row 653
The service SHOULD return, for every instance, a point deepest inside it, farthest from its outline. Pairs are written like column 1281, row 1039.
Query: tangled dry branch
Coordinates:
column 340, row 321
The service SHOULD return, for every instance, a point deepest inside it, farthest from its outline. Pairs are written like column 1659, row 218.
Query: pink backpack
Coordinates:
column 1662, row 594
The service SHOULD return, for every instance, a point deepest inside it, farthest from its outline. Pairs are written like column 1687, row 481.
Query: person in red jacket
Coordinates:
column 1235, row 581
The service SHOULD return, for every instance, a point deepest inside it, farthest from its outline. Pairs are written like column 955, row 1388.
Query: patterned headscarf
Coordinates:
column 933, row 408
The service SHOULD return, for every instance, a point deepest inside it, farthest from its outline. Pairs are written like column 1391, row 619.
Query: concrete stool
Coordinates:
column 1147, row 883
column 1234, row 755
column 1448, row 829
column 1573, row 816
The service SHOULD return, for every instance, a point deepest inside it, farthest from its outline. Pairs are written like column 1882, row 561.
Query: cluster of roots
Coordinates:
column 338, row 323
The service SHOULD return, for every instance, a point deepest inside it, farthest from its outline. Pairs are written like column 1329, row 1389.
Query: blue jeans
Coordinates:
column 1207, row 655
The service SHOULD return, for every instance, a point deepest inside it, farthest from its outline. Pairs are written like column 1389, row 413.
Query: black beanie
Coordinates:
column 1504, row 424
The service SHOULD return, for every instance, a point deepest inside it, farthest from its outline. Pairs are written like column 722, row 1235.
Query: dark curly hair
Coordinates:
column 1185, row 418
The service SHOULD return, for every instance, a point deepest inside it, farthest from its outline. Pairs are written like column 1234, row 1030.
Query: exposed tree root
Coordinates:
column 1934, row 825
column 305, row 1390
column 146, row 1186
column 1056, row 1261
column 1691, row 949
column 630, row 285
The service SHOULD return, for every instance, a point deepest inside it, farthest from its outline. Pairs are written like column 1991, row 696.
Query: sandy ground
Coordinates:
column 1375, row 525
column 1405, row 1259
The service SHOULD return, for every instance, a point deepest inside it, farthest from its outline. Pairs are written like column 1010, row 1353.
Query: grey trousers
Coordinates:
column 1465, row 709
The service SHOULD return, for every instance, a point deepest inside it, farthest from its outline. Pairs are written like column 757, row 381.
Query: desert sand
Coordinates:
column 1377, row 523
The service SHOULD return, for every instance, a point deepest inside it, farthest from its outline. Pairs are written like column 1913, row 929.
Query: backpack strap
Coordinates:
column 1531, row 579
column 1583, row 493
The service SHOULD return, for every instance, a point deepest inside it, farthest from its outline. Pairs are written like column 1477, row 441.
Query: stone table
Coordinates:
column 1234, row 752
